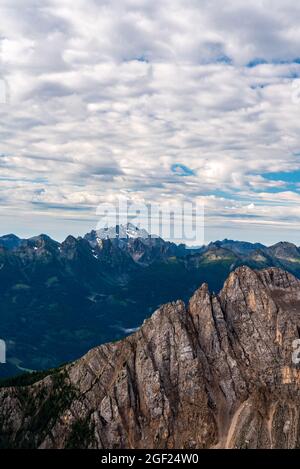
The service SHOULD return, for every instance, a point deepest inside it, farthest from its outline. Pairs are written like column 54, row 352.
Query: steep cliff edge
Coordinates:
column 215, row 373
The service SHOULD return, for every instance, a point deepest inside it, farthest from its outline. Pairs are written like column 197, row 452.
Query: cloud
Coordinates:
column 128, row 97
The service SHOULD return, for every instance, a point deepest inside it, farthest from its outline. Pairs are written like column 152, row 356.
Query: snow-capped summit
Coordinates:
column 128, row 231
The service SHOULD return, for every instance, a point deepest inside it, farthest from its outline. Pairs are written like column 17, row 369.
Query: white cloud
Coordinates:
column 107, row 96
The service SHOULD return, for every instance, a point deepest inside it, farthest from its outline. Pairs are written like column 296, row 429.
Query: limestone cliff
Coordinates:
column 217, row 372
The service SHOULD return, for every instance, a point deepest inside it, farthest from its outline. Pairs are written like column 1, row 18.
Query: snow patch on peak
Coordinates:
column 122, row 232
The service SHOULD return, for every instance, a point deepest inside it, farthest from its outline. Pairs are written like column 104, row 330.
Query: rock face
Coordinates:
column 72, row 296
column 217, row 373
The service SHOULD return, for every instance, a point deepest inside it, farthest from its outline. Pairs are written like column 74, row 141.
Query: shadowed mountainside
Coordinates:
column 215, row 373
column 58, row 300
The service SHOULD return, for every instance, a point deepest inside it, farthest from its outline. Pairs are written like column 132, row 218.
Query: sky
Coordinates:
column 154, row 101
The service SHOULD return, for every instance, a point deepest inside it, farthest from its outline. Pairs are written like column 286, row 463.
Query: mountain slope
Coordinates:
column 128, row 231
column 10, row 241
column 215, row 373
column 44, row 289
column 241, row 248
column 58, row 300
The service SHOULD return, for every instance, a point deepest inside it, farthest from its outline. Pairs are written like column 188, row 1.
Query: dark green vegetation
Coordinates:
column 59, row 300
column 41, row 408
column 82, row 433
column 25, row 379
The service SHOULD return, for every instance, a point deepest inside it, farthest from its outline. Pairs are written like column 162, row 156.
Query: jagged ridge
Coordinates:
column 215, row 373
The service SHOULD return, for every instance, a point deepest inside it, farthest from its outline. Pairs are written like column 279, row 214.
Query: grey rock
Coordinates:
column 217, row 373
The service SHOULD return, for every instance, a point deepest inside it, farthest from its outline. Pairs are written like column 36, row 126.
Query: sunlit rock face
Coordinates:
column 218, row 372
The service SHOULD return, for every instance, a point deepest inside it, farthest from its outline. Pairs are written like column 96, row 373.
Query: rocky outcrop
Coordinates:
column 216, row 373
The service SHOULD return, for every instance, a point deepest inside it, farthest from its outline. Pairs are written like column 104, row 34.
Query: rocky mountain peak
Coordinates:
column 42, row 241
column 215, row 373
column 276, row 278
column 285, row 250
column 70, row 241
column 10, row 241
column 127, row 231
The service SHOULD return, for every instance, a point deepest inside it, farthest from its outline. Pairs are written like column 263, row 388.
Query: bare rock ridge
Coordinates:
column 217, row 372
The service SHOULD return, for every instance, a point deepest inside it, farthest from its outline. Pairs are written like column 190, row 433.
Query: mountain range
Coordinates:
column 58, row 300
column 215, row 372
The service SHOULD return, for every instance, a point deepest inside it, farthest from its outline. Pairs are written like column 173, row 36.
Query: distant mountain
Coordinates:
column 10, row 241
column 241, row 248
column 284, row 251
column 58, row 300
column 119, row 232
column 215, row 372
column 143, row 248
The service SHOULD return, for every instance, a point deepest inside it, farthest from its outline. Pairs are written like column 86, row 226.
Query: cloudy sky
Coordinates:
column 151, row 100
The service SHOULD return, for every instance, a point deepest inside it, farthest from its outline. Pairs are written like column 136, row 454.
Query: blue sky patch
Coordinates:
column 289, row 177
column 255, row 62
column 182, row 170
